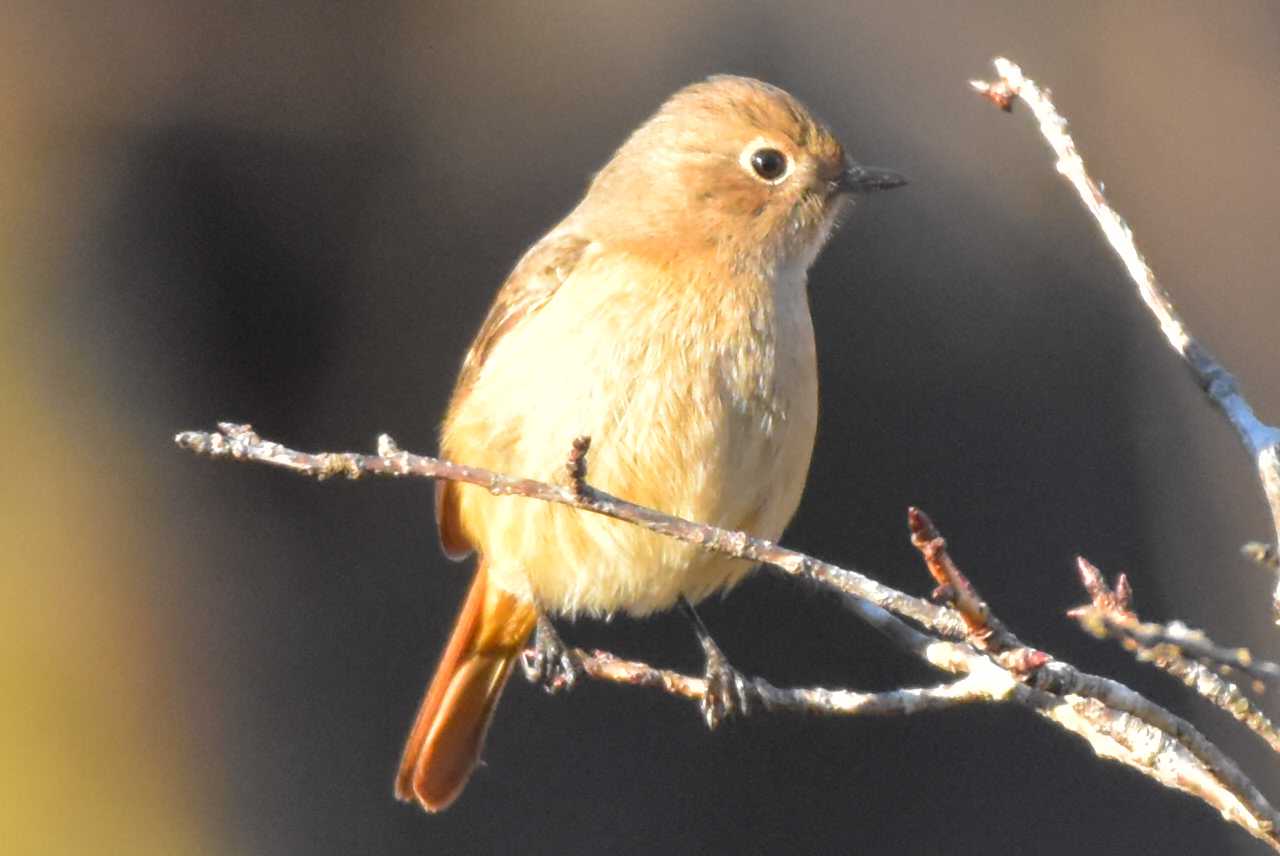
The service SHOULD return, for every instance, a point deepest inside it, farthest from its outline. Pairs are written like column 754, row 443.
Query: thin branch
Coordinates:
column 1117, row 722
column 240, row 443
column 1175, row 649
column 1261, row 441
column 986, row 632
column 1114, row 607
column 986, row 686
column 1156, row 753
column 1109, row 730
column 989, row 633
column 1063, row 681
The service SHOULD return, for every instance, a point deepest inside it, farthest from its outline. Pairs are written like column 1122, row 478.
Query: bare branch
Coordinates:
column 1038, row 669
column 240, row 443
column 1117, row 722
column 575, row 467
column 1262, row 441
column 987, row 685
column 1114, row 609
column 1175, row 649
column 986, row 632
column 1064, row 681
column 1156, row 753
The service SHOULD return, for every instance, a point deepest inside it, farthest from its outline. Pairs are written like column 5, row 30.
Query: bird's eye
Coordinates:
column 769, row 164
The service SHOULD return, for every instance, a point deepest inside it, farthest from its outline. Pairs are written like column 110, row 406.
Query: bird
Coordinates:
column 667, row 318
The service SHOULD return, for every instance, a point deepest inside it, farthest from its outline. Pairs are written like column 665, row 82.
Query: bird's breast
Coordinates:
column 700, row 396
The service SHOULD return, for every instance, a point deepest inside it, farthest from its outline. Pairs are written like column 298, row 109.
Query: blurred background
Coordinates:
column 296, row 213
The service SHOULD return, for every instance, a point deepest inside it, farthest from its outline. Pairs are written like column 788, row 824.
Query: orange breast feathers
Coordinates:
column 700, row 397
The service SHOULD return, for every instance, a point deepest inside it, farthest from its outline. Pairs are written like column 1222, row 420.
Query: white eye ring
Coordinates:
column 766, row 162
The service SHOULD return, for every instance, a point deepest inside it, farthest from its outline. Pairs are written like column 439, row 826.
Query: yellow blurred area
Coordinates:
column 92, row 728
column 87, row 765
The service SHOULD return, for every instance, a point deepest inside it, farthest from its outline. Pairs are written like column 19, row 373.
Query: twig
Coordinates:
column 1117, row 722
column 1261, row 441
column 1174, row 649
column 1110, row 731
column 986, row 685
column 1039, row 670
column 1062, row 680
column 986, row 632
column 1114, row 607
column 1155, row 752
column 575, row 467
column 240, row 443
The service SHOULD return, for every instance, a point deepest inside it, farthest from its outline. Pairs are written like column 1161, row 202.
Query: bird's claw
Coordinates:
column 550, row 663
column 726, row 693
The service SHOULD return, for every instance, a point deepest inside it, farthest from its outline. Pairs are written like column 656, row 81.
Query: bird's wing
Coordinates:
column 531, row 285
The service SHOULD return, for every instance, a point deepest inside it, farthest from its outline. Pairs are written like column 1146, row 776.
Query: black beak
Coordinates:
column 868, row 179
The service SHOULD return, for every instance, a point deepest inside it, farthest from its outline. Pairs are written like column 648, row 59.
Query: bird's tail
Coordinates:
column 447, row 736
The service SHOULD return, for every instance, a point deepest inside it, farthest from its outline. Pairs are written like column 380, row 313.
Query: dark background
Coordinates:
column 296, row 215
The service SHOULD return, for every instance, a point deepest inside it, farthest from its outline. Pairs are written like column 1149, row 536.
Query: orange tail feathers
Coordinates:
column 447, row 736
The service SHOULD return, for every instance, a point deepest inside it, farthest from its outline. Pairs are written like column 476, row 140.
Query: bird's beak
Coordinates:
column 867, row 179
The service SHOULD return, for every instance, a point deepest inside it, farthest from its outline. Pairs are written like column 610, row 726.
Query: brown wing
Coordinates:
column 535, row 279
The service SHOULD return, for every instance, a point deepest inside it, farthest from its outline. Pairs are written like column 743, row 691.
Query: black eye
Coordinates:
column 769, row 164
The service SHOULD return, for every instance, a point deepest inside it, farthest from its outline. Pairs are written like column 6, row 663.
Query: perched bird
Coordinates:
column 666, row 317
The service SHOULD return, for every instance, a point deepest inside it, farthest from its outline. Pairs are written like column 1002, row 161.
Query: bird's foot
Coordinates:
column 726, row 693
column 726, row 690
column 550, row 663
